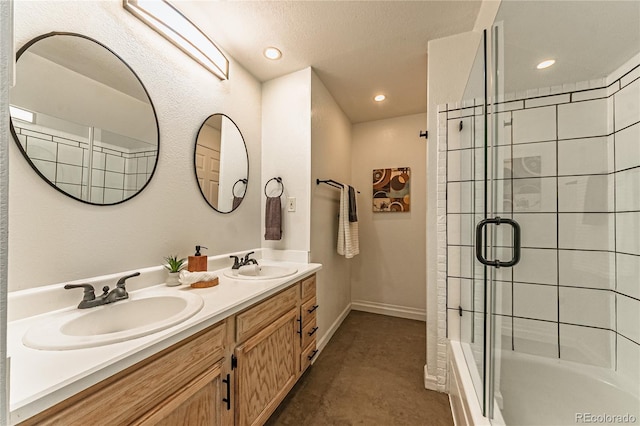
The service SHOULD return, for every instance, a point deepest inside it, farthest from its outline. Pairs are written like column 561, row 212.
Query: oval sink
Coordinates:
column 138, row 316
column 260, row 272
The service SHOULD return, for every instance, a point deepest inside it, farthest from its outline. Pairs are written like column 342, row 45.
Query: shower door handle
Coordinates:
column 516, row 242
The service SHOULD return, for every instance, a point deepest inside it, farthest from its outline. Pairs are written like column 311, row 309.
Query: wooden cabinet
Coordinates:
column 267, row 369
column 195, row 381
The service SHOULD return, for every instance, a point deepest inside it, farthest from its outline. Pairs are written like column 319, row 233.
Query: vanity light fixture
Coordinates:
column 379, row 98
column 272, row 53
column 545, row 64
column 175, row 27
column 21, row 114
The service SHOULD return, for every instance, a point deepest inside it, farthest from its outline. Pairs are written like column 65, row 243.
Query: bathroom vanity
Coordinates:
column 233, row 363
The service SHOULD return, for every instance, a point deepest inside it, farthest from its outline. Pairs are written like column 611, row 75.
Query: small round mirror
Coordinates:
column 83, row 119
column 221, row 163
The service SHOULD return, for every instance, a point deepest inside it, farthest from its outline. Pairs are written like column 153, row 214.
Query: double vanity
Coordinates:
column 228, row 354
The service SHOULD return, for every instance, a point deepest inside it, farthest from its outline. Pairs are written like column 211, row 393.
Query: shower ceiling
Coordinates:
column 357, row 48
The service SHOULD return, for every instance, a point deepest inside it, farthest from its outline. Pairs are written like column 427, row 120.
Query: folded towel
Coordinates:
column 189, row 278
column 353, row 209
column 348, row 239
column 236, row 202
column 273, row 219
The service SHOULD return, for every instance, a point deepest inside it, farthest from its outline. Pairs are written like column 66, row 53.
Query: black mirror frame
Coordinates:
column 155, row 115
column 195, row 172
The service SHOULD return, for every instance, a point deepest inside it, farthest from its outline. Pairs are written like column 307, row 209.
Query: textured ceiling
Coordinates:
column 358, row 49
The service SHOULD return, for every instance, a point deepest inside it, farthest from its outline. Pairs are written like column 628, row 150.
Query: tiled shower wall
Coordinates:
column 63, row 158
column 569, row 169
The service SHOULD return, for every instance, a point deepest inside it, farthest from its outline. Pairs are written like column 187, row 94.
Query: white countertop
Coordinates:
column 41, row 378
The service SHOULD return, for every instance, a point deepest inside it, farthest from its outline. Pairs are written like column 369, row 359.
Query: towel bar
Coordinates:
column 333, row 183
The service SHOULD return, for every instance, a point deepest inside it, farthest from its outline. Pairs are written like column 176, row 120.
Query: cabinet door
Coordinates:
column 199, row 403
column 267, row 369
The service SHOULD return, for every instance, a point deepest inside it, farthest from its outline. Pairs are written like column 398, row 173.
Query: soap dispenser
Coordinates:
column 197, row 262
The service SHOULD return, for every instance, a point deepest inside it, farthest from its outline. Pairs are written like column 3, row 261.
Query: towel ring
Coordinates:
column 233, row 190
column 277, row 179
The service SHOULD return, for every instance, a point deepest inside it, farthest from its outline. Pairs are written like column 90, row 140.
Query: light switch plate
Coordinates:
column 291, row 204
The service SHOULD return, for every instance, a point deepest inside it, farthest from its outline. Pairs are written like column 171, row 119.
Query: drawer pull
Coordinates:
column 228, row 398
column 299, row 331
column 310, row 357
column 312, row 309
column 313, row 330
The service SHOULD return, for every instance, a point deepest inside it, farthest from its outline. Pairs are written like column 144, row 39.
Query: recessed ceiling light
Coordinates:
column 272, row 53
column 379, row 98
column 546, row 64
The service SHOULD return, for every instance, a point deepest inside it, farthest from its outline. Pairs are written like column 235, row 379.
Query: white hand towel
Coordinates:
column 348, row 238
column 189, row 278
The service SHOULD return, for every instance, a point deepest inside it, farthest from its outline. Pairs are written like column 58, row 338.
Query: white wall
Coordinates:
column 55, row 239
column 330, row 159
column 286, row 152
column 233, row 159
column 389, row 274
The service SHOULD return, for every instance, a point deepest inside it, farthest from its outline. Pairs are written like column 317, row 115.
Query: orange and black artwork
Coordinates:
column 391, row 190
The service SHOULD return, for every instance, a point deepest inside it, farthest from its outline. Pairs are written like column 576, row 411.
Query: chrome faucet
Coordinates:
column 89, row 299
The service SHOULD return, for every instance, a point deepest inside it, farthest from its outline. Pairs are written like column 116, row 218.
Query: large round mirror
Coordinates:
column 83, row 119
column 221, row 163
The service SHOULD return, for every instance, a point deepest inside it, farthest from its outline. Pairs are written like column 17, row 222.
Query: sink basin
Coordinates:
column 140, row 315
column 261, row 272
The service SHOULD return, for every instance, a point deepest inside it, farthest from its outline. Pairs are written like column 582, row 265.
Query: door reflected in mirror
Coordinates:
column 83, row 119
column 221, row 163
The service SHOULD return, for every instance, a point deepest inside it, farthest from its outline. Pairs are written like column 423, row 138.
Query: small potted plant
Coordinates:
column 174, row 266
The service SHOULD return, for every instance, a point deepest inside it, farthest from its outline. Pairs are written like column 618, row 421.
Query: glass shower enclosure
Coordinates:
column 543, row 213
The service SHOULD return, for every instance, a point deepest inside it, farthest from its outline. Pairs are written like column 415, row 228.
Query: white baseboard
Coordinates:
column 430, row 382
column 331, row 331
column 391, row 310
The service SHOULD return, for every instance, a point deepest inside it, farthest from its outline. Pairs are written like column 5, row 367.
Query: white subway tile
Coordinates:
column 537, row 230
column 41, row 149
column 628, row 317
column 113, row 180
column 456, row 138
column 453, row 292
column 459, row 197
column 151, row 163
column 583, row 156
column 141, row 180
column 592, row 194
column 547, row 100
column 460, row 228
column 97, row 177
column 627, row 105
column 533, row 160
column 631, row 76
column 582, row 119
column 628, row 271
column 585, row 306
column 130, row 182
column 70, row 155
column 503, row 298
column 586, row 345
column 534, row 125
column 71, row 189
column 460, row 165
column 69, row 174
column 47, row 168
column 627, row 231
column 589, row 94
column 586, row 231
column 535, row 301
column 628, row 358
column 459, row 261
column 537, row 266
column 628, row 190
column 627, row 144
column 142, row 165
column 533, row 195
column 112, row 196
column 535, row 337
column 130, row 165
column 97, row 195
column 99, row 160
column 114, row 164
column 595, row 269
column 509, row 106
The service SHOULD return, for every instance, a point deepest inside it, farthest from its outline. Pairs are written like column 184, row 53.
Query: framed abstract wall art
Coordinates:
column 392, row 190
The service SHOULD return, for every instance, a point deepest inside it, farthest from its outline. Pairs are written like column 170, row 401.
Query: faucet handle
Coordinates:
column 123, row 279
column 246, row 257
column 236, row 262
column 89, row 291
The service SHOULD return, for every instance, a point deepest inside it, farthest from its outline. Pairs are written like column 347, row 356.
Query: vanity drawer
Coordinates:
column 124, row 397
column 309, row 333
column 308, row 287
column 309, row 311
column 258, row 317
column 307, row 355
